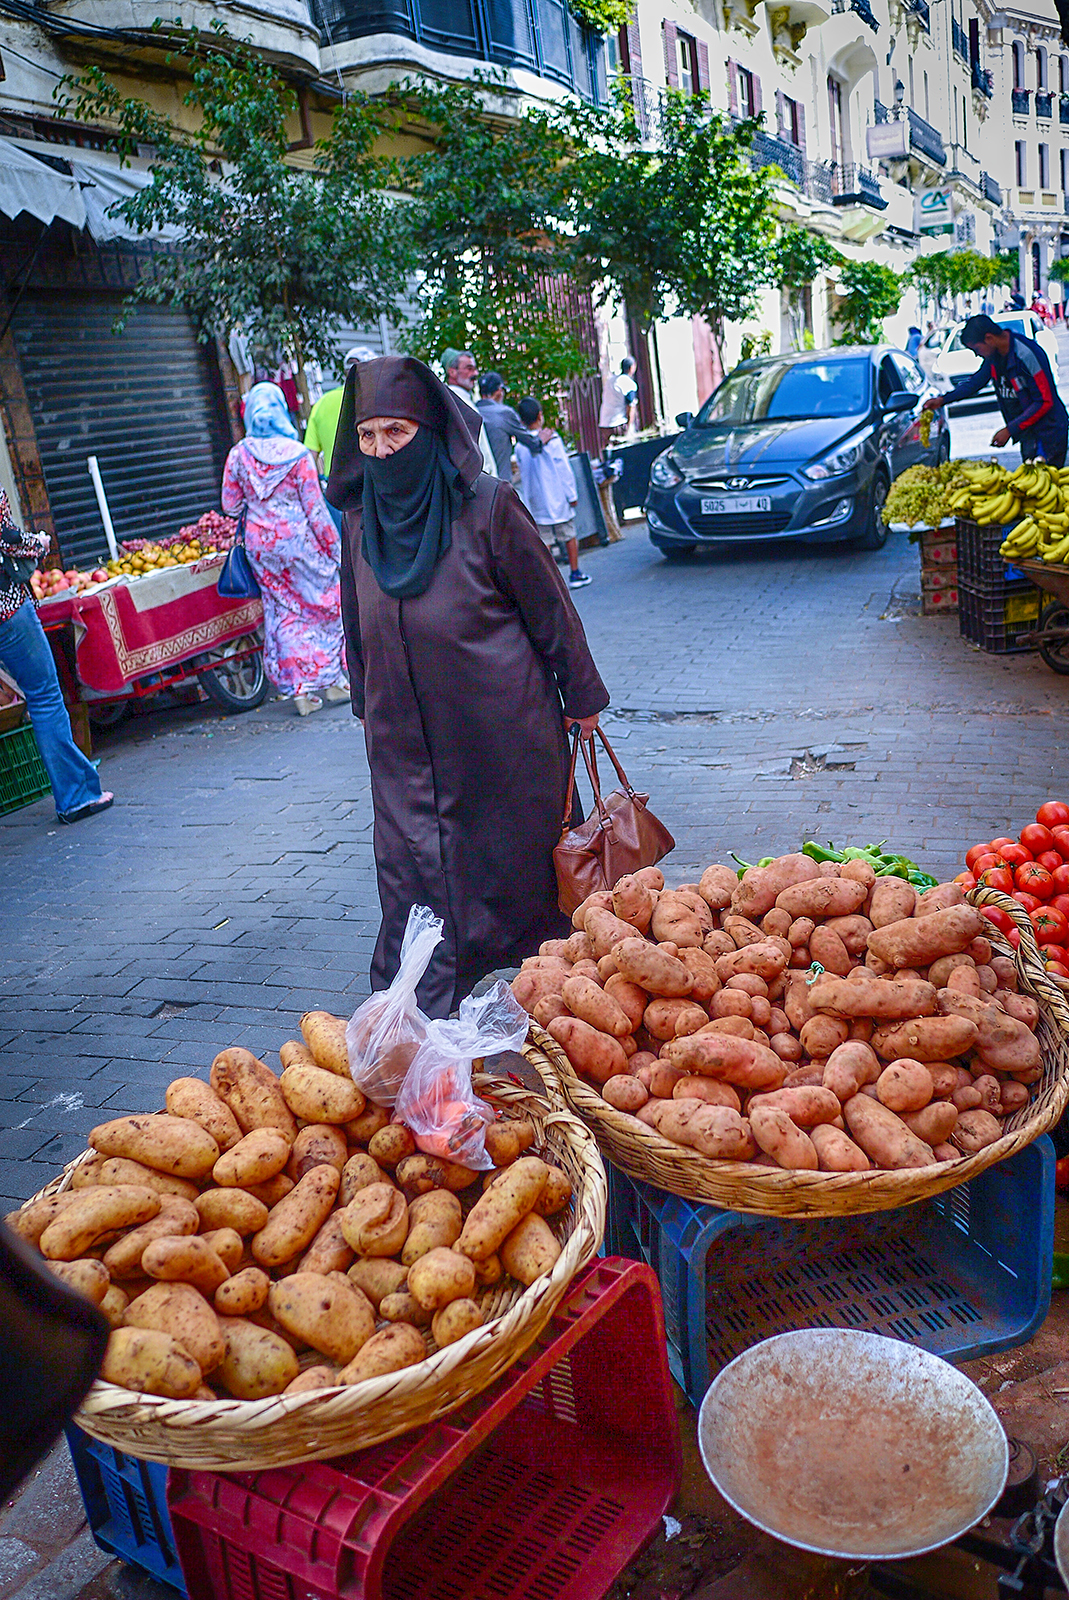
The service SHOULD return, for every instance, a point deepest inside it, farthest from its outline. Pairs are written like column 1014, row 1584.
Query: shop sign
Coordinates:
column 887, row 141
column 934, row 211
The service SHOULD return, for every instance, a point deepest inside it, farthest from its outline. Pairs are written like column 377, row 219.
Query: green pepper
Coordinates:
column 817, row 852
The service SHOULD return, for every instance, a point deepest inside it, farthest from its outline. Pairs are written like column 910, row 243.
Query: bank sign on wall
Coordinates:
column 934, row 211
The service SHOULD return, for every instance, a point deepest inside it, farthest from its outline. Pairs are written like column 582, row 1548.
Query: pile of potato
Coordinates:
column 809, row 1016
column 270, row 1235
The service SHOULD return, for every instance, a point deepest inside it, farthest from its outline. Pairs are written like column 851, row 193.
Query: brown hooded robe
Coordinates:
column 462, row 689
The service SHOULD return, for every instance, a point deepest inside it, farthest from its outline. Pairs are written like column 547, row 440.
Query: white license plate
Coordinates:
column 733, row 504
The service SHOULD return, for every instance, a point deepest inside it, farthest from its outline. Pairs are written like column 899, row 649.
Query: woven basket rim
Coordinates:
column 119, row 1416
column 645, row 1154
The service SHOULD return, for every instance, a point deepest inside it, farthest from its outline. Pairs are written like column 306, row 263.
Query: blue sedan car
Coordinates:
column 794, row 447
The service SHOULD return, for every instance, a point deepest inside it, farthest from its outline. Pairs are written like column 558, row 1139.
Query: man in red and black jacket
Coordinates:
column 1023, row 382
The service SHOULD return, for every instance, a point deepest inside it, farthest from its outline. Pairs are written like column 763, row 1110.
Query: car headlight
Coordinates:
column 842, row 459
column 664, row 474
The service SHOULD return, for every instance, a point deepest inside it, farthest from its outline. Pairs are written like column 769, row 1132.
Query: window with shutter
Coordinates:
column 671, row 54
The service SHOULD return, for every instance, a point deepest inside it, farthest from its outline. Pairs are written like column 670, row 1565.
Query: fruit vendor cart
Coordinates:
column 136, row 636
column 1052, row 635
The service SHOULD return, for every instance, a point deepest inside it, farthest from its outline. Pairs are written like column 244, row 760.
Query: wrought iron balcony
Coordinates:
column 1019, row 101
column 990, row 189
column 926, row 139
column 540, row 36
column 768, row 151
column 818, row 181
column 982, row 80
column 959, row 39
column 1044, row 103
column 855, row 185
column 919, row 9
column 860, row 7
column 880, row 112
column 1063, row 110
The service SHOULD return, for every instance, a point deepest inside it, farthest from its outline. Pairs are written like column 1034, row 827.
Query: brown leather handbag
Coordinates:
column 620, row 835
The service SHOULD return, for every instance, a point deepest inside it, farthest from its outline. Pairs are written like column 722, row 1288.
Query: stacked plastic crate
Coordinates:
column 997, row 604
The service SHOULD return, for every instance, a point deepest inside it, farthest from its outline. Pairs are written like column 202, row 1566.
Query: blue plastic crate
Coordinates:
column 126, row 1505
column 963, row 1275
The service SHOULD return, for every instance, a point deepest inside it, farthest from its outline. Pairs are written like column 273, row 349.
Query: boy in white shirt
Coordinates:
column 547, row 489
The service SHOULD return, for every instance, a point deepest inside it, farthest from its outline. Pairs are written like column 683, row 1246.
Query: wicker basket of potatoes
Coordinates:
column 288, row 1278
column 808, row 1040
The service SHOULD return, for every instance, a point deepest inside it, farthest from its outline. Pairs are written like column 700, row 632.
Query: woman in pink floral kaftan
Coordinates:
column 294, row 548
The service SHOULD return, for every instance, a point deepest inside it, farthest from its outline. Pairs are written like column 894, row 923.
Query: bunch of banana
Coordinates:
column 1044, row 492
column 975, row 486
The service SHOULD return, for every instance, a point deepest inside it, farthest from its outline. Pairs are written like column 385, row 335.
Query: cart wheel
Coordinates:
column 236, row 683
column 1055, row 654
column 108, row 715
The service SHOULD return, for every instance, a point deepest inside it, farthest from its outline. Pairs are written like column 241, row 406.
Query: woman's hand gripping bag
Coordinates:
column 437, row 1101
column 385, row 1032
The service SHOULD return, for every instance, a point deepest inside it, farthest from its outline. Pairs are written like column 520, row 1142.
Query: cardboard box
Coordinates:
column 939, row 550
column 941, row 601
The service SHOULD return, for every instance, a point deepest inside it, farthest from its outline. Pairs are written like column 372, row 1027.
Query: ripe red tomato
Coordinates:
column 1062, row 903
column 1053, row 952
column 1029, row 901
column 973, row 855
column 1061, row 840
column 988, row 859
column 998, row 918
column 1050, row 925
column 1058, row 969
column 996, row 844
column 1014, row 939
column 1034, row 879
column 1061, row 878
column 1002, row 878
column 1015, row 855
column 1036, row 838
column 967, row 880
column 1053, row 813
column 1051, row 859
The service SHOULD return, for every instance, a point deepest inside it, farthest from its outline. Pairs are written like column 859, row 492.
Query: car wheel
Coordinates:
column 944, row 448
column 1055, row 654
column 678, row 552
column 875, row 534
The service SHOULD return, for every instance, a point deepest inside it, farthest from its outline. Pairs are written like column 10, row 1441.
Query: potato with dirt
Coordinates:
column 823, row 898
column 596, row 1056
column 864, row 995
column 172, row 1145
column 504, row 1204
column 394, row 1348
column 904, row 1086
column 836, row 1151
column 150, row 1362
column 185, row 1260
column 174, row 1218
column 633, row 902
column 1001, row 1041
column 328, row 1313
column 324, row 1035
column 883, row 1136
column 230, row 1208
column 929, row 1039
column 530, row 1250
column 198, row 1102
column 257, row 1156
column 778, row 1136
column 759, row 887
column 294, row 1222
column 675, row 920
column 375, row 1222
column 257, row 1363
column 93, row 1216
column 594, row 1005
column 317, row 1095
column 652, row 969
column 918, row 941
column 252, row 1092
column 891, row 900
column 180, row 1310
column 741, row 1062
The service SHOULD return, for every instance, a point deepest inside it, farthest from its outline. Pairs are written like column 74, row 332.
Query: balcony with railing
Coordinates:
column 959, row 39
column 982, row 80
column 990, row 189
column 1063, row 110
column 1019, row 101
column 854, row 185
column 1044, row 103
column 768, row 151
column 925, row 140
column 860, row 8
column 919, row 10
column 539, row 36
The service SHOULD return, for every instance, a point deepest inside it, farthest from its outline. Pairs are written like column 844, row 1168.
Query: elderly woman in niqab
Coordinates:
column 467, row 661
column 294, row 548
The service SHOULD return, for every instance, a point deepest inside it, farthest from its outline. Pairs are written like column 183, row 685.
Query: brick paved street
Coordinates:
column 761, row 698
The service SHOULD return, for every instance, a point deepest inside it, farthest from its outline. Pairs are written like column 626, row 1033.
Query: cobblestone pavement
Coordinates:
column 761, row 698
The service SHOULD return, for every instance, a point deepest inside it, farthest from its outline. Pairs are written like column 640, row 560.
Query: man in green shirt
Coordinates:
column 322, row 426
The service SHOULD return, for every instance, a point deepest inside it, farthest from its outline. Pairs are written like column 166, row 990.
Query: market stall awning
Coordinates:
column 102, row 187
column 27, row 184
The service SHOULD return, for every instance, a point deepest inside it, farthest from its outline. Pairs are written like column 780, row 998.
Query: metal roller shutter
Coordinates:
column 148, row 403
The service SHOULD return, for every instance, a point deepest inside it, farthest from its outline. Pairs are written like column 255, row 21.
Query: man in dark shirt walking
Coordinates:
column 1021, row 375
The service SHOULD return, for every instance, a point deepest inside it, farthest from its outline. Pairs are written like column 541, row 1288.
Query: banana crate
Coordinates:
column 997, row 603
column 1028, row 507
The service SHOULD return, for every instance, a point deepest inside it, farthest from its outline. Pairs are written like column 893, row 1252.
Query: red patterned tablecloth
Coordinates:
column 139, row 626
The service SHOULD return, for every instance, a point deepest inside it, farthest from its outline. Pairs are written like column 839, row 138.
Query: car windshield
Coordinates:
column 1015, row 324
column 788, row 391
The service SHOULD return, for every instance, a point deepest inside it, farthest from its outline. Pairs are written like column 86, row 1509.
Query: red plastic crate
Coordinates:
column 543, row 1487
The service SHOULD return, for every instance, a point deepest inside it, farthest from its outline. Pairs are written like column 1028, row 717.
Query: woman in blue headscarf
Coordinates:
column 294, row 549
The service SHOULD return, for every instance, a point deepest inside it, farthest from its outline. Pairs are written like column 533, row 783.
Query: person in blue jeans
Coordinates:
column 27, row 656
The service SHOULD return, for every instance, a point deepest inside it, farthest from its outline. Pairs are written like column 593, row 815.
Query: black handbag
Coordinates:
column 237, row 580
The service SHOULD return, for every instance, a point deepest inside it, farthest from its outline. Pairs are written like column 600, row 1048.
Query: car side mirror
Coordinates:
column 901, row 400
column 684, row 419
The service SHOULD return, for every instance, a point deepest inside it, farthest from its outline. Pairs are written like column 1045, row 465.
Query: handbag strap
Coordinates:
column 239, row 531
column 611, row 753
column 591, row 766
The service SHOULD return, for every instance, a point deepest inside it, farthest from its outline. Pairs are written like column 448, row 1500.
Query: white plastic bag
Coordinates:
column 384, row 1033
column 437, row 1101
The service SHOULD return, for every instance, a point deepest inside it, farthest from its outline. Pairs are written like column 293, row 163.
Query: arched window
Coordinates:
column 1063, row 75
column 1018, row 64
column 1041, row 67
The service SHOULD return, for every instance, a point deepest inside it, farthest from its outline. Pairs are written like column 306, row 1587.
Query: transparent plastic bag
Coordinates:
column 437, row 1101
column 384, row 1033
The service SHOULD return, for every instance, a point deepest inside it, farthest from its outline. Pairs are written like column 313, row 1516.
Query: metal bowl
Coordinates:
column 852, row 1445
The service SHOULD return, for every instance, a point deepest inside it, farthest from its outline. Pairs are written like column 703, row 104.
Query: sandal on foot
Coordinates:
column 307, row 703
column 89, row 810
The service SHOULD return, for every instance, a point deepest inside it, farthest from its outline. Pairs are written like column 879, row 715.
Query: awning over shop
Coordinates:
column 101, row 187
column 27, row 184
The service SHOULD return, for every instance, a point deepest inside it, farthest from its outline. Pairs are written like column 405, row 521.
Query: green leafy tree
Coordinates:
column 681, row 224
column 284, row 254
column 948, row 273
column 798, row 257
column 871, row 292
column 1058, row 270
column 488, row 222
column 603, row 16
